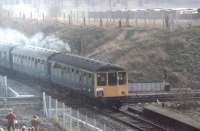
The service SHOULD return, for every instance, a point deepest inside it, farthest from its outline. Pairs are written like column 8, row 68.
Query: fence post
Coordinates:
column 56, row 108
column 6, row 86
column 70, row 113
column 1, row 87
column 69, row 19
column 104, row 127
column 44, row 104
column 64, row 119
column 86, row 122
column 49, row 110
column 95, row 122
column 78, row 116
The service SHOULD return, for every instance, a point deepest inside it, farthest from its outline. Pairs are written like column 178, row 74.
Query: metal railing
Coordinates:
column 147, row 87
column 72, row 119
column 3, row 86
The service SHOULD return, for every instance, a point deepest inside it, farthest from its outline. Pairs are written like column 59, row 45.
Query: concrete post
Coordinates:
column 64, row 118
column 95, row 122
column 49, row 110
column 56, row 108
column 6, row 86
column 70, row 113
column 44, row 105
column 104, row 127
column 86, row 122
column 78, row 116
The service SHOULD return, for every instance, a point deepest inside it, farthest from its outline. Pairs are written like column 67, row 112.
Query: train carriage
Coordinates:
column 5, row 56
column 31, row 61
column 89, row 76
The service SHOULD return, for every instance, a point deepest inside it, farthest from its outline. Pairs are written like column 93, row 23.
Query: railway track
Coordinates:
column 154, row 98
column 132, row 120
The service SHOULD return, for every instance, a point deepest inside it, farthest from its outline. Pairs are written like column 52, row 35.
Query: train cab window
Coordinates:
column 112, row 78
column 101, row 79
column 122, row 78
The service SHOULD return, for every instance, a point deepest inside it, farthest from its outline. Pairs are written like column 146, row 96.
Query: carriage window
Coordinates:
column 122, row 78
column 62, row 73
column 112, row 78
column 89, row 75
column 101, row 79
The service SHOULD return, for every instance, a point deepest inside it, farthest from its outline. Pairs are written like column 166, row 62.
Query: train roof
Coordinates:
column 84, row 63
column 36, row 52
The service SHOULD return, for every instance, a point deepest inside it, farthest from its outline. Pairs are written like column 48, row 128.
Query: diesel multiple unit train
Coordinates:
column 90, row 77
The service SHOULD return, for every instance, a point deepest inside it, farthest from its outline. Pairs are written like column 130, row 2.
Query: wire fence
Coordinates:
column 113, row 20
column 72, row 119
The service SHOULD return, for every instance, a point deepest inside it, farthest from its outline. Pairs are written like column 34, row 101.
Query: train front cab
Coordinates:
column 111, row 84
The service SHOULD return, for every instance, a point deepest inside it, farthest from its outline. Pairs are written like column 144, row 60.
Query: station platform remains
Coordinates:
column 179, row 121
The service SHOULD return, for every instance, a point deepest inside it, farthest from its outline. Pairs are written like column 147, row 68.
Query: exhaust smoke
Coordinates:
column 11, row 36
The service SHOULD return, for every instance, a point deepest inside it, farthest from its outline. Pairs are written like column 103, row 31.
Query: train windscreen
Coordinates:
column 122, row 78
column 101, row 79
column 112, row 78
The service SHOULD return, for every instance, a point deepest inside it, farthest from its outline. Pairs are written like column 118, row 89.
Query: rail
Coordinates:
column 131, row 120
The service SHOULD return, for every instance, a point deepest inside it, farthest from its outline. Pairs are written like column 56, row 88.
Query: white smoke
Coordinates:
column 10, row 36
